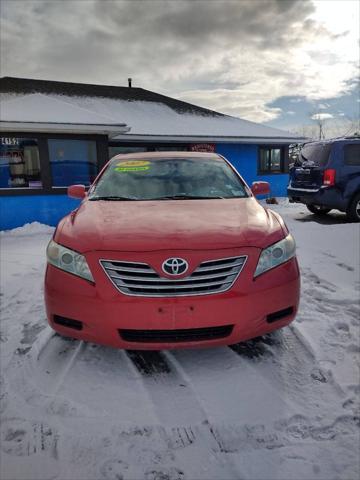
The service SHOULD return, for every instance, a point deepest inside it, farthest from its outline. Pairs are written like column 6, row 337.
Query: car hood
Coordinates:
column 169, row 225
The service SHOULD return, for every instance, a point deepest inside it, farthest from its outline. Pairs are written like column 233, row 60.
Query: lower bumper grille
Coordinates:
column 68, row 322
column 173, row 336
column 279, row 315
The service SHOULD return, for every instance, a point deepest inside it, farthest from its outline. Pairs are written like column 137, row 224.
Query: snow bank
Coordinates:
column 33, row 228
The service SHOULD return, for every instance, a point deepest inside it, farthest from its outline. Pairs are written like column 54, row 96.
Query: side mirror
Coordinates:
column 76, row 191
column 260, row 188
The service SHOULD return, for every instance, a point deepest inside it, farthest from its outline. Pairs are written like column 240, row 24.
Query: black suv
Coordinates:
column 326, row 175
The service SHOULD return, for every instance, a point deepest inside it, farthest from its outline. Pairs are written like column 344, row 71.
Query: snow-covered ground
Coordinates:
column 286, row 407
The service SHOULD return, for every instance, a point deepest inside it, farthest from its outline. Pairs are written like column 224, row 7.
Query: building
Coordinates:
column 54, row 134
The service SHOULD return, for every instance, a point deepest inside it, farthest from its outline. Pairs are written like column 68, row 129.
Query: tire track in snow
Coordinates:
column 37, row 376
column 63, row 374
column 54, row 375
column 318, row 373
column 276, row 366
column 206, row 431
column 22, row 309
column 300, row 360
column 42, row 342
column 332, row 314
column 168, row 389
column 184, row 422
column 212, row 372
column 324, row 297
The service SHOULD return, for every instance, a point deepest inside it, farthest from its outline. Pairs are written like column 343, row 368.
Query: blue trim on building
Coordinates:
column 245, row 159
column 15, row 211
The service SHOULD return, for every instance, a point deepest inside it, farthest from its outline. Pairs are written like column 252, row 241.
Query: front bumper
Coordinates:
column 105, row 313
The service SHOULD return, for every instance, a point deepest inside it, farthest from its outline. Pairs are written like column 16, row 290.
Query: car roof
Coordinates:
column 170, row 154
column 333, row 140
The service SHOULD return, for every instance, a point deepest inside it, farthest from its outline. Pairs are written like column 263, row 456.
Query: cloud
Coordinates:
column 331, row 128
column 233, row 56
column 321, row 116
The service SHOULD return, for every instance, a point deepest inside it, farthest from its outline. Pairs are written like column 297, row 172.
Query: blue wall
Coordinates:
column 72, row 162
column 15, row 211
column 245, row 158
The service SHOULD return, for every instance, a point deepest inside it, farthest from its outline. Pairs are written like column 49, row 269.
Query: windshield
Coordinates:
column 318, row 154
column 168, row 178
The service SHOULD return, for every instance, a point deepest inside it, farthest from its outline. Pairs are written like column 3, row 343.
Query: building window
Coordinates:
column 19, row 163
column 124, row 148
column 272, row 160
column 117, row 149
column 169, row 148
column 72, row 161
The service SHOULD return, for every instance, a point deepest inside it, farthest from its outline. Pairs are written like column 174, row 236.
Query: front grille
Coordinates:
column 173, row 336
column 140, row 279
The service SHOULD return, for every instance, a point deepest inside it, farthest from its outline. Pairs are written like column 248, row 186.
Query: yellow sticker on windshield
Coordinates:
column 133, row 166
column 133, row 163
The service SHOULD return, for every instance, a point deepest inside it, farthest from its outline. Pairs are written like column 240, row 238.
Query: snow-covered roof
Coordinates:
column 38, row 112
column 159, row 120
column 149, row 115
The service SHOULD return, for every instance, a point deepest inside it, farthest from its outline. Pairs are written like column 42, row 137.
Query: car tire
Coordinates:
column 353, row 210
column 317, row 210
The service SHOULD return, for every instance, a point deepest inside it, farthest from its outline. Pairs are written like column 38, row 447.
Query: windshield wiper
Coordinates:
column 112, row 198
column 185, row 197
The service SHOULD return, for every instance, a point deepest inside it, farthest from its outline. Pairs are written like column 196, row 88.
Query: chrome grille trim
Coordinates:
column 169, row 287
column 170, row 281
column 139, row 279
column 216, row 267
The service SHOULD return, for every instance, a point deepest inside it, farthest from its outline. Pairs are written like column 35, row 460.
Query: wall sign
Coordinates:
column 9, row 141
column 203, row 147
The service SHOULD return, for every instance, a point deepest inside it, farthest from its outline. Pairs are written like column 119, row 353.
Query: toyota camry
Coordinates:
column 170, row 250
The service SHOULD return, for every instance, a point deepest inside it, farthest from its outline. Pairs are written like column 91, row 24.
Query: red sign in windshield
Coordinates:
column 202, row 147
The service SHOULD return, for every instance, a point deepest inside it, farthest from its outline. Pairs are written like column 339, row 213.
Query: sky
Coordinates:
column 285, row 63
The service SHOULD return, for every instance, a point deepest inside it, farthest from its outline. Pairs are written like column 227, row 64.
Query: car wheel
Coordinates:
column 353, row 211
column 317, row 210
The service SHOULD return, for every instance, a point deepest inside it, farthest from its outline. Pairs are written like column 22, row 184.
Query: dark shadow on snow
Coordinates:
column 332, row 218
column 149, row 362
column 258, row 347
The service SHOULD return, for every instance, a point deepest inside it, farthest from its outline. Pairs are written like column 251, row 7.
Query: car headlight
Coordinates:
column 68, row 260
column 275, row 255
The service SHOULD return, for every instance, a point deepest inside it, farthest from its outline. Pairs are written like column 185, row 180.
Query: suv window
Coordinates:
column 352, row 154
column 316, row 153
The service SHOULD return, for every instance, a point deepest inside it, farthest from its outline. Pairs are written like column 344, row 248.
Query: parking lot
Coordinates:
column 283, row 407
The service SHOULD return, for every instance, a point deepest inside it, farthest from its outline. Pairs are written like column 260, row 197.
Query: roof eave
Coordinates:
column 111, row 130
column 212, row 139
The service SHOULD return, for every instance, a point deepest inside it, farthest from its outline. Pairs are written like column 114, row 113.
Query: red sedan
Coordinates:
column 170, row 250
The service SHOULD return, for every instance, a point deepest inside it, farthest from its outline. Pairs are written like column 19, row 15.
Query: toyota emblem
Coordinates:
column 175, row 266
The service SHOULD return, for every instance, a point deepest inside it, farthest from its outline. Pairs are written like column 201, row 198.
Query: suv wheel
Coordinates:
column 317, row 210
column 353, row 211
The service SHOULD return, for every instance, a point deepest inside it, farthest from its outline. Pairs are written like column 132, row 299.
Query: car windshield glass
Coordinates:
column 317, row 154
column 168, row 179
